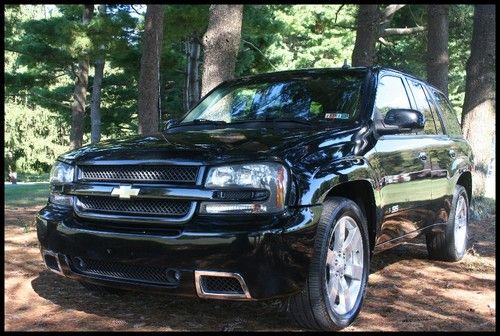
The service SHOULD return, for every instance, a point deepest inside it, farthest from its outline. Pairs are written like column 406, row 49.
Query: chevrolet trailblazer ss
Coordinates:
column 275, row 185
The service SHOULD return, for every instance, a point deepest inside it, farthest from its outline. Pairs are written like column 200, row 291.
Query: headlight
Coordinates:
column 264, row 184
column 60, row 174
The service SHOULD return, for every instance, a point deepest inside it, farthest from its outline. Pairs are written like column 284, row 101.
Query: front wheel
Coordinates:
column 336, row 285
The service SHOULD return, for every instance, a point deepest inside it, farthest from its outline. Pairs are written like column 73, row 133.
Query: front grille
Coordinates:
column 220, row 285
column 134, row 206
column 117, row 270
column 144, row 174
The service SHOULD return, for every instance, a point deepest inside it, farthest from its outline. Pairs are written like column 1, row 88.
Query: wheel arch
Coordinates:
column 465, row 180
column 362, row 193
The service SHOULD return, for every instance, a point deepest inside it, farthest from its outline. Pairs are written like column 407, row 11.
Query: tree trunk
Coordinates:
column 95, row 108
column 192, row 82
column 478, row 114
column 12, row 167
column 367, row 33
column 149, row 77
column 221, row 43
column 437, row 46
column 80, row 92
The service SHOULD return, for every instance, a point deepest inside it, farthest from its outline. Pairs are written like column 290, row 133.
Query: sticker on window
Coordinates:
column 343, row 116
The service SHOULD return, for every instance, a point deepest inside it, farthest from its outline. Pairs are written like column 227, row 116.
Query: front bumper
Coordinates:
column 272, row 262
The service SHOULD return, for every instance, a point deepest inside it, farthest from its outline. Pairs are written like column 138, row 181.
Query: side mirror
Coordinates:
column 171, row 123
column 401, row 121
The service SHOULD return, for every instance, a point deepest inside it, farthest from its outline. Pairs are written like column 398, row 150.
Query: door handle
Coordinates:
column 452, row 153
column 422, row 156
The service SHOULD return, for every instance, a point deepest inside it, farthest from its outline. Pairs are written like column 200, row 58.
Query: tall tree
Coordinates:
column 221, row 43
column 95, row 107
column 373, row 25
column 192, row 81
column 149, row 77
column 437, row 46
column 80, row 92
column 478, row 114
column 366, row 35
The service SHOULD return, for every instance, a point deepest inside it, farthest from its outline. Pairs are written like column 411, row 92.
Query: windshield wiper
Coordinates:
column 205, row 121
column 295, row 120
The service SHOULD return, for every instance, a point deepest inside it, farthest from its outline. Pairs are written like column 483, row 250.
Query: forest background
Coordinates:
column 79, row 74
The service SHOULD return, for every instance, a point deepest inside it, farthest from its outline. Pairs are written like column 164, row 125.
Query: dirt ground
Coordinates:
column 406, row 292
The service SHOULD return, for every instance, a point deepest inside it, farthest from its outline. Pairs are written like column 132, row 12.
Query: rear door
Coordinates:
column 435, row 140
column 450, row 157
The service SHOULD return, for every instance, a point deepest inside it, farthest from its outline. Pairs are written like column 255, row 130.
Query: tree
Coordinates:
column 95, row 107
column 366, row 36
column 437, row 46
column 80, row 92
column 149, row 77
column 192, row 81
column 373, row 25
column 221, row 43
column 478, row 114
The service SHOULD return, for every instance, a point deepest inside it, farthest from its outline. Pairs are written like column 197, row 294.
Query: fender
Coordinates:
column 326, row 177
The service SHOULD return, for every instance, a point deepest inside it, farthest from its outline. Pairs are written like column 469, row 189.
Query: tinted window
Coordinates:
column 391, row 94
column 328, row 99
column 423, row 106
column 449, row 117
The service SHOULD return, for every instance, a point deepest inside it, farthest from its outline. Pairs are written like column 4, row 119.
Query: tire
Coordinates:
column 313, row 308
column 102, row 290
column 451, row 244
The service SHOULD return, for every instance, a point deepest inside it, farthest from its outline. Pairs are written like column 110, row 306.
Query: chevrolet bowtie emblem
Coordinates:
column 124, row 192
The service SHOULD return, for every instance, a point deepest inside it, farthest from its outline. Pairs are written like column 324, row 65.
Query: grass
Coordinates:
column 26, row 195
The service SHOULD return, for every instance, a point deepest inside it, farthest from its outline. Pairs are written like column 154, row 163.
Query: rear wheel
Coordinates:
column 338, row 276
column 451, row 244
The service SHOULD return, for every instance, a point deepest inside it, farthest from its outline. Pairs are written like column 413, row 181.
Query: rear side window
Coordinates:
column 424, row 107
column 449, row 117
column 391, row 94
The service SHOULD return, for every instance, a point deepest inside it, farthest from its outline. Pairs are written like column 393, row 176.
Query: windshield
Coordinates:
column 329, row 98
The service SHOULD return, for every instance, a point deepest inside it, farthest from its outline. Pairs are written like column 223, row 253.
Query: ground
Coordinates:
column 406, row 292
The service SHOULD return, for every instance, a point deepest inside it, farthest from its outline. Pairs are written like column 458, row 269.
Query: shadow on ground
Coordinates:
column 406, row 291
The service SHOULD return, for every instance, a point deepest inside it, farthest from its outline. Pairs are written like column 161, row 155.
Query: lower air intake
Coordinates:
column 221, row 285
column 124, row 271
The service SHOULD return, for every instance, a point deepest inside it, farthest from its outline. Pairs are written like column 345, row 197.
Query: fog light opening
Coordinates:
column 173, row 275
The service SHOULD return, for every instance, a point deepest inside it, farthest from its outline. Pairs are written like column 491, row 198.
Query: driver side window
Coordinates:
column 391, row 94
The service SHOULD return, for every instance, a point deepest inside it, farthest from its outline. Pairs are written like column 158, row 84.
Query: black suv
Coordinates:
column 275, row 185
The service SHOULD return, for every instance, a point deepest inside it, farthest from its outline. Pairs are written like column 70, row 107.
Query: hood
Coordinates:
column 215, row 146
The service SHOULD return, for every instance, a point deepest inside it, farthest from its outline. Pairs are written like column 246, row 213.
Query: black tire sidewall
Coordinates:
column 345, row 208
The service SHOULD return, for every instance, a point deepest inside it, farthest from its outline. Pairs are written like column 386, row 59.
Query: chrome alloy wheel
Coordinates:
column 344, row 265
column 460, row 224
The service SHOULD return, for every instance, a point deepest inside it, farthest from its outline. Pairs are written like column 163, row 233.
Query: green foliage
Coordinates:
column 33, row 137
column 460, row 36
column 409, row 51
column 43, row 44
column 313, row 36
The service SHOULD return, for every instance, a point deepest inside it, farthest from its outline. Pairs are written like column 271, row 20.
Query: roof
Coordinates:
column 319, row 71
